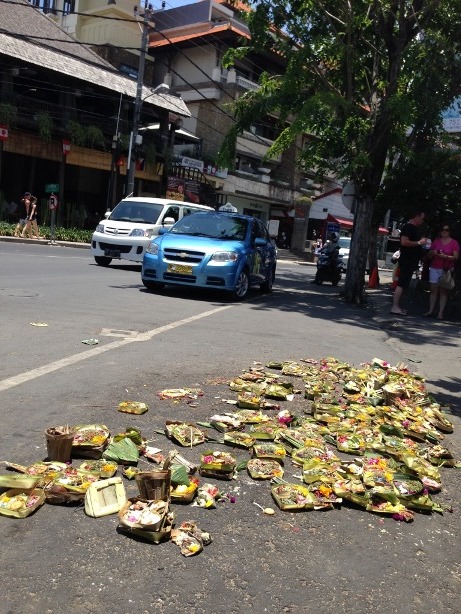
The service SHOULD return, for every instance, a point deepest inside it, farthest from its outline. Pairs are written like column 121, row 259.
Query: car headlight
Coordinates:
column 100, row 228
column 138, row 232
column 152, row 248
column 224, row 257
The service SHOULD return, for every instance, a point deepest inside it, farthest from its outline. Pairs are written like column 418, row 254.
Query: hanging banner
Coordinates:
column 3, row 132
column 65, row 147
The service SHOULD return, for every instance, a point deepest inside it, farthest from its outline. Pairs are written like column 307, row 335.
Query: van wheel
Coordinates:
column 267, row 284
column 152, row 285
column 102, row 260
column 241, row 287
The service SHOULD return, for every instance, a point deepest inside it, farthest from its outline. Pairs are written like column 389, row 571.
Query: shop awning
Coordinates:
column 347, row 224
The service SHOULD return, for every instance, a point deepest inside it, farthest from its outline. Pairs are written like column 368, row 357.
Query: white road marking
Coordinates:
column 22, row 378
column 112, row 332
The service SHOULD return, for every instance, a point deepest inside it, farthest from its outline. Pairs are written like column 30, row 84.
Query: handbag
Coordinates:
column 446, row 280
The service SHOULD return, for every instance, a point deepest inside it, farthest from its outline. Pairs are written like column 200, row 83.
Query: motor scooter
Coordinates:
column 329, row 267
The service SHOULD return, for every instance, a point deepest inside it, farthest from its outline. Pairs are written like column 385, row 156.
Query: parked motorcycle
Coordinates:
column 329, row 264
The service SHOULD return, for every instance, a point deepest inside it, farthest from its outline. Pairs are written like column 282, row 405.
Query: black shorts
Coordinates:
column 406, row 273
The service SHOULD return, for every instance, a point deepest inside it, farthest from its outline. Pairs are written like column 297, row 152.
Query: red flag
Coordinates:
column 3, row 132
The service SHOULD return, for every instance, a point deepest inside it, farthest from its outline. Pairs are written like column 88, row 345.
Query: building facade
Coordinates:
column 65, row 121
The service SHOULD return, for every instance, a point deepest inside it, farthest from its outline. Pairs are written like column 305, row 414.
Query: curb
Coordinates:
column 45, row 242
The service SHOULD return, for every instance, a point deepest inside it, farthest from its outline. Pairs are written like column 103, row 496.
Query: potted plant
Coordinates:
column 45, row 125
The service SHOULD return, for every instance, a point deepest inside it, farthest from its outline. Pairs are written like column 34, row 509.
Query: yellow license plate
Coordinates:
column 182, row 269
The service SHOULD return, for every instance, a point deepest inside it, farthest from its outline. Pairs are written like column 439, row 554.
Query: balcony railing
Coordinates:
column 247, row 84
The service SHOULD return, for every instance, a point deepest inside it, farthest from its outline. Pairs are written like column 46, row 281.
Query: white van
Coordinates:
column 128, row 229
column 344, row 249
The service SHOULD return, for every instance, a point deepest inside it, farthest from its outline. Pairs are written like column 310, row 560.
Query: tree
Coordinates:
column 353, row 73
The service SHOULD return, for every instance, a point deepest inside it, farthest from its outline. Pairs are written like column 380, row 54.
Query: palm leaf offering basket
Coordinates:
column 90, row 440
column 59, row 440
column 154, row 485
column 20, row 503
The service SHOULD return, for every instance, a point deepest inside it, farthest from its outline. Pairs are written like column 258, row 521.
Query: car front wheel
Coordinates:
column 152, row 285
column 102, row 260
column 242, row 285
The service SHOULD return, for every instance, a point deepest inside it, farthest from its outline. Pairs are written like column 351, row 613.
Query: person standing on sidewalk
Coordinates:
column 23, row 212
column 442, row 256
column 411, row 243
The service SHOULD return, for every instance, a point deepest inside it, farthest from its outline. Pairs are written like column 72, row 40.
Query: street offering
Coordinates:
column 371, row 436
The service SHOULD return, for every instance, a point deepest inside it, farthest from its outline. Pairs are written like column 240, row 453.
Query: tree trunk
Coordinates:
column 355, row 277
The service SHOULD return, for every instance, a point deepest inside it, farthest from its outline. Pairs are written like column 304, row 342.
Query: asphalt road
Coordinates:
column 59, row 559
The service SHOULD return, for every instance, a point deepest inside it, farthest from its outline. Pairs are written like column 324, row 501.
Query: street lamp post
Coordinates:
column 135, row 137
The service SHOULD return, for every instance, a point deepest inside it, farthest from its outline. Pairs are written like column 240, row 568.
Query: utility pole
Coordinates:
column 135, row 138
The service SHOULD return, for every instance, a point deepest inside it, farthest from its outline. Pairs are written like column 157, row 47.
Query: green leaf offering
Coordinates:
column 179, row 475
column 123, row 452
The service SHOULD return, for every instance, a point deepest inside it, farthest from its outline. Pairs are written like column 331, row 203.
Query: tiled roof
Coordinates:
column 60, row 53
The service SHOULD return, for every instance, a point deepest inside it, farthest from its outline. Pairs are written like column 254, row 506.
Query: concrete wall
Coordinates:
column 204, row 57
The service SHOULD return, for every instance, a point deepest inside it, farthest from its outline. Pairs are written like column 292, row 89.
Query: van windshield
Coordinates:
column 345, row 242
column 136, row 212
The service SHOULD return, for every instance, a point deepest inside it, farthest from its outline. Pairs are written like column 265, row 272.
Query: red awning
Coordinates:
column 347, row 224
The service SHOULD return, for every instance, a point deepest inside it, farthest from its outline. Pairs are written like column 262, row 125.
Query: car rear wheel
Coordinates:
column 102, row 260
column 242, row 285
column 267, row 284
column 152, row 285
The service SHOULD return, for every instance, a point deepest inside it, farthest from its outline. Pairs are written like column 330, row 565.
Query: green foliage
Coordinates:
column 8, row 114
column 77, row 133
column 74, row 235
column 45, row 125
column 86, row 136
column 94, row 138
column 124, row 141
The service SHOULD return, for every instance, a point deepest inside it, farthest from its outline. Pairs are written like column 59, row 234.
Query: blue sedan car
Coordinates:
column 220, row 250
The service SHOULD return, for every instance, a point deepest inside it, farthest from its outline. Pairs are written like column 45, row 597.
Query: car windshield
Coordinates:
column 345, row 242
column 138, row 212
column 212, row 225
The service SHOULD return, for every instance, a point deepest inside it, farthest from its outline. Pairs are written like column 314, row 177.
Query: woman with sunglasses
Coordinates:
column 443, row 255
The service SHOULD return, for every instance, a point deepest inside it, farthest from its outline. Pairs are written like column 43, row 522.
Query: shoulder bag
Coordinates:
column 446, row 280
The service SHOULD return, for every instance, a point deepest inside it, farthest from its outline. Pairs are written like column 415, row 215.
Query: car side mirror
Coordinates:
column 169, row 221
column 106, row 214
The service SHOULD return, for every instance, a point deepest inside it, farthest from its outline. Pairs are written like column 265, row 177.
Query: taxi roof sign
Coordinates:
column 228, row 208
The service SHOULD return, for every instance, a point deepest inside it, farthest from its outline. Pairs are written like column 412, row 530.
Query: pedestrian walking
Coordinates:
column 411, row 242
column 23, row 213
column 442, row 256
column 31, row 227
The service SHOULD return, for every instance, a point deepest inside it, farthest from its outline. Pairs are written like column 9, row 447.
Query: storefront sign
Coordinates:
column 3, row 132
column 273, row 228
column 65, row 147
column 192, row 163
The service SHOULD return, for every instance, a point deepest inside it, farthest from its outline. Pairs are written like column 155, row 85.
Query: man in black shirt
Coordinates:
column 411, row 243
